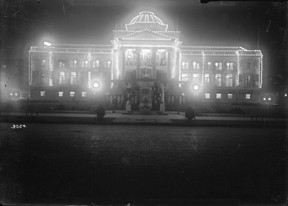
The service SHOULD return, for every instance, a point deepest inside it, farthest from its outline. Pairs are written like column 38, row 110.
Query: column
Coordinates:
column 138, row 64
column 51, row 68
column 162, row 104
column 153, row 63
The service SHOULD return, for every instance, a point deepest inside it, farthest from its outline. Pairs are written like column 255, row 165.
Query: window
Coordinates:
column 62, row 78
column 256, row 79
column 95, row 63
column 229, row 66
column 218, row 65
column 248, row 96
column 146, row 57
column 83, row 94
column 248, row 80
column 43, row 78
column 207, row 95
column 85, row 63
column 73, row 78
column 195, row 77
column 50, row 82
column 209, row 65
column 74, row 63
column 230, row 96
column 131, row 57
column 229, row 80
column 184, row 77
column 161, row 57
column 218, row 96
column 107, row 64
column 185, row 65
column 218, row 80
column 196, row 65
column 206, row 78
column 42, row 93
column 61, row 64
column 60, row 94
column 146, row 72
column 72, row 94
column 43, row 62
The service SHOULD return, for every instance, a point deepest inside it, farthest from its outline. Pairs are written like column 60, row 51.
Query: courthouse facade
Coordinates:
column 146, row 64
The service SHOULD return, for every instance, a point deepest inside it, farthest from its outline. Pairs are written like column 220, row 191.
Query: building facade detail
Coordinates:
column 142, row 60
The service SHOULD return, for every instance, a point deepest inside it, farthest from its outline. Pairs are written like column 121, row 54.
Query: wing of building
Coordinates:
column 146, row 64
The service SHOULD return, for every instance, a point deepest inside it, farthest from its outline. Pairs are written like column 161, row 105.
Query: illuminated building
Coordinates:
column 143, row 60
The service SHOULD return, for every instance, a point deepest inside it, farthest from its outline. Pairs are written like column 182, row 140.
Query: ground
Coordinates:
column 62, row 163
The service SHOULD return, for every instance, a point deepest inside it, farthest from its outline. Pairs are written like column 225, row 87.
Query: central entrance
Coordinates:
column 145, row 95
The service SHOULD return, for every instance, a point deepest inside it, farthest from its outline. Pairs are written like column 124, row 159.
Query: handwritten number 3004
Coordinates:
column 21, row 126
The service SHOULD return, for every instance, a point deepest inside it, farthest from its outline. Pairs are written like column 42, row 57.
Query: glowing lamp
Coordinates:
column 196, row 87
column 47, row 44
column 285, row 95
column 96, row 85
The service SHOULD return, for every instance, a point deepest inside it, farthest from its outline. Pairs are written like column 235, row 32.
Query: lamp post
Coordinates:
column 195, row 90
column 96, row 87
column 162, row 104
column 2, row 68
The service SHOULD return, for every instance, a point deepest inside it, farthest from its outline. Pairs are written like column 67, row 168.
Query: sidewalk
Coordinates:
column 122, row 118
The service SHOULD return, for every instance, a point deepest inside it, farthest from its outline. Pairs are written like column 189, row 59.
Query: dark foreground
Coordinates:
column 86, row 164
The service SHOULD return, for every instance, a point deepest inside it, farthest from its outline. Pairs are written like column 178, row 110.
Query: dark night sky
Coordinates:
column 214, row 23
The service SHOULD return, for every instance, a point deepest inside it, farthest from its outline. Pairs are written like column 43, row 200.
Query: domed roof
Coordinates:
column 146, row 20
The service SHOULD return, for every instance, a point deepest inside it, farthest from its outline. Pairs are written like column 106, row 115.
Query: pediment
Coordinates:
column 146, row 35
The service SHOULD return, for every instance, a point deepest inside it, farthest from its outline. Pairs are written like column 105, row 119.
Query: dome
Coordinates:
column 146, row 20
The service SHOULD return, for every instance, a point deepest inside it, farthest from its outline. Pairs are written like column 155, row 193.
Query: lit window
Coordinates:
column 107, row 64
column 248, row 80
column 72, row 94
column 62, row 78
column 50, row 82
column 42, row 93
column 206, row 78
column 184, row 77
column 218, row 65
column 60, row 94
column 131, row 57
column 209, row 65
column 248, row 96
column 218, row 96
column 145, row 57
column 218, row 80
column 207, row 95
column 61, row 64
column 73, row 78
column 85, row 63
column 195, row 77
column 83, row 94
column 161, row 57
column 229, row 66
column 74, row 63
column 96, row 63
column 196, row 65
column 43, row 62
column 185, row 65
column 230, row 96
column 229, row 80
